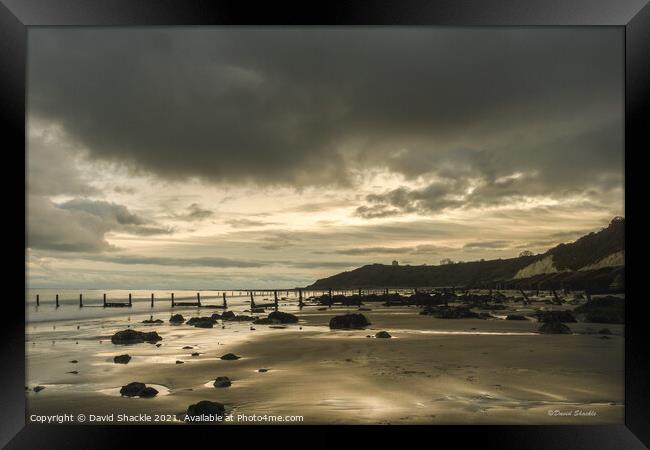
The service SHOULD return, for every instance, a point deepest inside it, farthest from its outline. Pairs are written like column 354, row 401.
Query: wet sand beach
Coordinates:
column 432, row 371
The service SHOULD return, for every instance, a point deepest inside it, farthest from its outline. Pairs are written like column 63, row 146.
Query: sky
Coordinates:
column 227, row 158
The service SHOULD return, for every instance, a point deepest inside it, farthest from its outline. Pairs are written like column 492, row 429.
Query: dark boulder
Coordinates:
column 177, row 318
column 126, row 337
column 204, row 410
column 201, row 322
column 122, row 359
column 349, row 321
column 152, row 321
column 137, row 389
column 227, row 315
column 262, row 370
column 554, row 328
column 277, row 317
column 447, row 312
column 383, row 335
column 607, row 309
column 38, row 388
column 180, row 362
column 222, row 382
column 188, row 347
column 230, row 357
column 215, row 316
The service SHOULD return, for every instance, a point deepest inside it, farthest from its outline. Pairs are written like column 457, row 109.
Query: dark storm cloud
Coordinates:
column 308, row 107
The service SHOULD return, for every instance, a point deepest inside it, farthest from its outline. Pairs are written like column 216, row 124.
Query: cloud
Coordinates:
column 81, row 225
column 248, row 223
column 193, row 213
column 296, row 106
column 415, row 250
column 181, row 262
column 495, row 244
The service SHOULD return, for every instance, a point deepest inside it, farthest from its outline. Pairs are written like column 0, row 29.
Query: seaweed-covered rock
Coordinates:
column 201, row 322
column 230, row 357
column 215, row 316
column 126, row 337
column 222, row 382
column 177, row 318
column 277, row 317
column 607, row 309
column 554, row 328
column 349, row 321
column 227, row 315
column 555, row 316
column 205, row 411
column 136, row 389
column 383, row 335
column 152, row 321
column 122, row 359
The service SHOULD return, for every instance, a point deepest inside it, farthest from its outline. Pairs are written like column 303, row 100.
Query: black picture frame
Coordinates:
column 16, row 16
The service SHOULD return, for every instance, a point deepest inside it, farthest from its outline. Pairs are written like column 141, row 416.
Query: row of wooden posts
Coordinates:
column 252, row 298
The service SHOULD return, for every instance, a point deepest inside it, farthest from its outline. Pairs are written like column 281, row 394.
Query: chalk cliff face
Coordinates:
column 593, row 253
column 544, row 265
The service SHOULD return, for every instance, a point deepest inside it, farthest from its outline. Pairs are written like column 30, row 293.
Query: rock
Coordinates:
column 257, row 310
column 38, row 388
column 204, row 410
column 515, row 317
column 152, row 321
column 148, row 392
column 604, row 331
column 554, row 328
column 555, row 316
column 195, row 354
column 127, row 337
column 321, row 309
column 222, row 382
column 227, row 315
column 282, row 317
column 383, row 335
column 230, row 357
column 158, row 345
column 122, row 359
column 177, row 318
column 74, row 361
column 180, row 362
column 349, row 321
column 215, row 316
column 201, row 322
column 74, row 372
column 132, row 389
column 188, row 347
column 607, row 309
column 262, row 370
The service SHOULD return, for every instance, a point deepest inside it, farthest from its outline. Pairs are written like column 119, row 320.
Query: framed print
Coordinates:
column 368, row 214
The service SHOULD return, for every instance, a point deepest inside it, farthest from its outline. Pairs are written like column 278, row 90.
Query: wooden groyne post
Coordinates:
column 38, row 300
column 198, row 299
column 152, row 299
column 252, row 300
column 104, row 300
column 81, row 301
column 525, row 296
column 172, row 299
column 225, row 303
column 275, row 300
column 57, row 300
column 300, row 302
column 330, row 298
column 130, row 302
